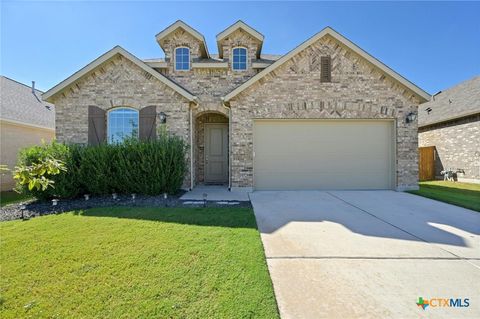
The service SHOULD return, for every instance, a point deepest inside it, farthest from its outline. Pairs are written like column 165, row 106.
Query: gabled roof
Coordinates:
column 182, row 25
column 456, row 102
column 329, row 31
column 234, row 27
column 23, row 105
column 47, row 96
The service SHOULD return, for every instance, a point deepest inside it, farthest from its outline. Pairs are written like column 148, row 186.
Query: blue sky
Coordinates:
column 433, row 44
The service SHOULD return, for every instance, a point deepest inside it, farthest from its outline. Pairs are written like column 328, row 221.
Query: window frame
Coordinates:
column 175, row 59
column 109, row 141
column 246, row 59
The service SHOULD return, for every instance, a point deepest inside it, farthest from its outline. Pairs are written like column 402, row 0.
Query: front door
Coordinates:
column 216, row 153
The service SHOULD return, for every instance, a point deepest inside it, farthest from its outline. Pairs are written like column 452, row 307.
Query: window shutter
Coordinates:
column 96, row 125
column 147, row 121
column 326, row 69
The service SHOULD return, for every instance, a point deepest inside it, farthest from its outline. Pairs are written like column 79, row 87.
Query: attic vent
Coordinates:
column 326, row 69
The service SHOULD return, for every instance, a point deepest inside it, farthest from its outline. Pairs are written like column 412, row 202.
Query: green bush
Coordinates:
column 66, row 184
column 153, row 167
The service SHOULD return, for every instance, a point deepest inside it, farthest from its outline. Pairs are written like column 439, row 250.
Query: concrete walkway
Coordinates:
column 214, row 192
column 368, row 254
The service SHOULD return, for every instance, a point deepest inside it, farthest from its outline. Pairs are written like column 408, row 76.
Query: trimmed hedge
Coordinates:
column 142, row 167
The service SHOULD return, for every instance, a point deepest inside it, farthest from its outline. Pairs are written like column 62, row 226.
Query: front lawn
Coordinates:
column 10, row 197
column 136, row 263
column 460, row 194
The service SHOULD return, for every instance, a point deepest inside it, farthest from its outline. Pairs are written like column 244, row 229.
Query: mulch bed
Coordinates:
column 36, row 208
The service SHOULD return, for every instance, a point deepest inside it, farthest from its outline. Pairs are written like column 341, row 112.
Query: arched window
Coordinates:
column 122, row 123
column 239, row 59
column 182, row 59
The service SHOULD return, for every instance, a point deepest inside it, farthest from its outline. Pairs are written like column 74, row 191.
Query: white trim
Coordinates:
column 246, row 57
column 229, row 146
column 260, row 65
column 158, row 65
column 209, row 65
column 47, row 96
column 20, row 123
column 180, row 24
column 329, row 31
column 175, row 59
column 116, row 108
column 192, row 176
column 240, row 25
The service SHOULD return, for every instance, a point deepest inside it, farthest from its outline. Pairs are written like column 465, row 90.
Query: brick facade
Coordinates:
column 293, row 90
column 118, row 83
column 457, row 146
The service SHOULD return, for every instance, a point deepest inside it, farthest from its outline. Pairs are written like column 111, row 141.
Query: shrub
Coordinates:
column 152, row 167
column 35, row 175
column 66, row 183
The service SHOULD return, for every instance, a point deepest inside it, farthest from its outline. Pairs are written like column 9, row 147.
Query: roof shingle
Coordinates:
column 458, row 101
column 18, row 103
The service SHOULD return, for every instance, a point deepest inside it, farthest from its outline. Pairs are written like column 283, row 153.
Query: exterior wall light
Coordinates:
column 411, row 117
column 162, row 117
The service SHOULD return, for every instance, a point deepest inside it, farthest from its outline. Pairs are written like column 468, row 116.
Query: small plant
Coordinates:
column 34, row 176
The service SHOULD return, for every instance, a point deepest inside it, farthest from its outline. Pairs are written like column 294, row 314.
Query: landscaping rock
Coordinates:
column 36, row 208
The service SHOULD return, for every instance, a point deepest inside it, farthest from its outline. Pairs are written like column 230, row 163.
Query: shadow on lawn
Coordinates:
column 217, row 217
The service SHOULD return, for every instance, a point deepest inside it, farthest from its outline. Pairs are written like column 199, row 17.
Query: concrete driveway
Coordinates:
column 368, row 254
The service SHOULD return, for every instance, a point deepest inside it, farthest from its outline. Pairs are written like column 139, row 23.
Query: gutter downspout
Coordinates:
column 191, row 141
column 229, row 143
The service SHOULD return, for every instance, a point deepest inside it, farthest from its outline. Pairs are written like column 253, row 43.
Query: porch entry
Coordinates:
column 216, row 153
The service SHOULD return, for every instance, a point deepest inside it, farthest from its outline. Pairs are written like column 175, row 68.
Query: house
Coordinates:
column 450, row 123
column 326, row 115
column 25, row 120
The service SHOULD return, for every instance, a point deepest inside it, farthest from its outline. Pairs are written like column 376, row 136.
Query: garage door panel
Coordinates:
column 328, row 154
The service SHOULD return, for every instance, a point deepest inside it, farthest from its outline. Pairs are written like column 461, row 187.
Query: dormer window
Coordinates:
column 182, row 59
column 239, row 59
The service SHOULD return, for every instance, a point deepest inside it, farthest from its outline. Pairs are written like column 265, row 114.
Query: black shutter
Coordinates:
column 96, row 125
column 147, row 121
column 326, row 69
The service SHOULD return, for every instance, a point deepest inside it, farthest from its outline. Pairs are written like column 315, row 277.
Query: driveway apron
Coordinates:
column 368, row 254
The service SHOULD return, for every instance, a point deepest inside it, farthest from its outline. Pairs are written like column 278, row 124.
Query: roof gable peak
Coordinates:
column 179, row 24
column 49, row 95
column 240, row 25
column 424, row 96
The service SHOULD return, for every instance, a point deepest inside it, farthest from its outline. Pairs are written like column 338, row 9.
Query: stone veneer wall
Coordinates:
column 456, row 143
column 209, row 85
column 294, row 90
column 118, row 83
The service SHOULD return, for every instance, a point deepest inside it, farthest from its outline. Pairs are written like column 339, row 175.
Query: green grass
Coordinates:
column 136, row 263
column 460, row 194
column 10, row 197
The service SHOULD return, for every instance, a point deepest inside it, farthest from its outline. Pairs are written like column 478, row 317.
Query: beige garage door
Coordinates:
column 323, row 154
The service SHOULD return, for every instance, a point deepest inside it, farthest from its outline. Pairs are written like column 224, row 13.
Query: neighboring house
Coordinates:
column 25, row 120
column 326, row 115
column 451, row 123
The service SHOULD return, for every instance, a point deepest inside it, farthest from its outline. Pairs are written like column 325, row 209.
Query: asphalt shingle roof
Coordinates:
column 19, row 103
column 458, row 101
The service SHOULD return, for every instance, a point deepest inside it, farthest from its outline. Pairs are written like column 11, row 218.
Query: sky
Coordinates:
column 436, row 45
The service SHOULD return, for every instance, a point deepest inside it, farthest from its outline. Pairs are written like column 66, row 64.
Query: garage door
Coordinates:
column 323, row 154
